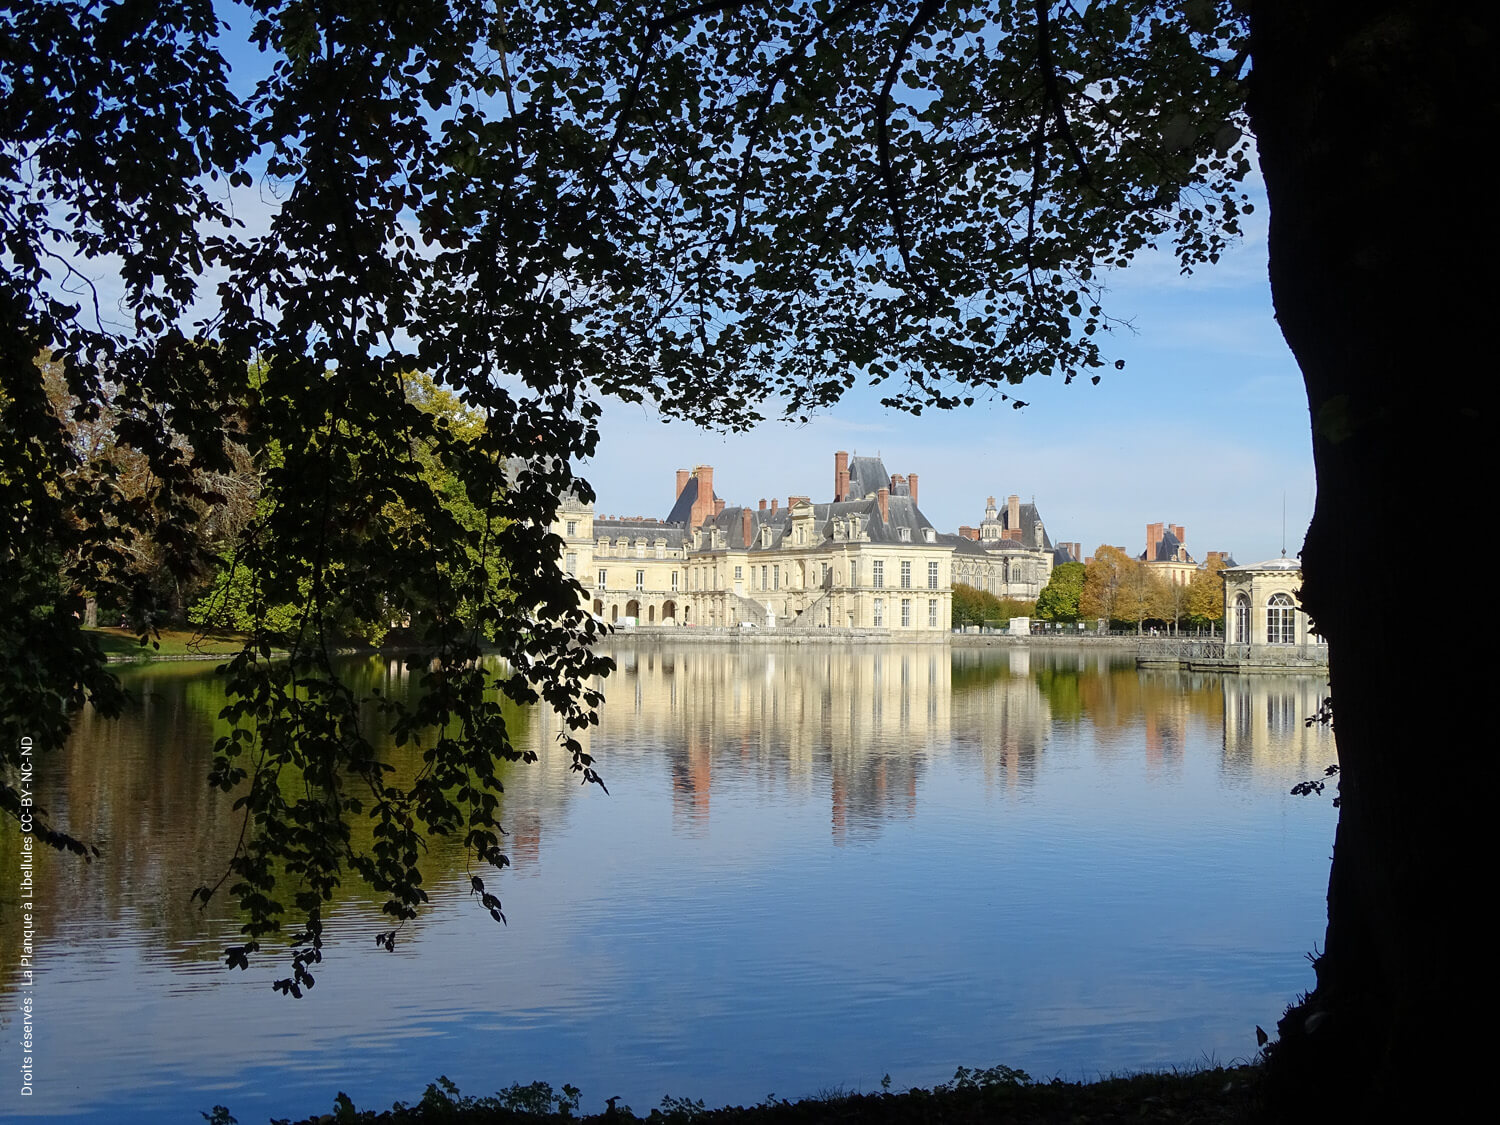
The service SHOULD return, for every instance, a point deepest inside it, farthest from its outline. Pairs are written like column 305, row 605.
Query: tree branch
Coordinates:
column 925, row 13
column 1054, row 93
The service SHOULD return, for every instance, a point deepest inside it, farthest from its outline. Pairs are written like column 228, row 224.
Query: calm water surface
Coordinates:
column 816, row 866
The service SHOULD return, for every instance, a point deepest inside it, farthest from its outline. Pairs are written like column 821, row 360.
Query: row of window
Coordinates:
column 640, row 579
column 878, row 613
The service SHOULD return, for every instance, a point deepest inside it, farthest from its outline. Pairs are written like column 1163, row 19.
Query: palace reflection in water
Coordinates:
column 815, row 865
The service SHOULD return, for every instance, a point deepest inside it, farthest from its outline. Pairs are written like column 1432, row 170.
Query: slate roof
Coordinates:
column 962, row 545
column 682, row 510
column 1167, row 548
column 902, row 514
column 613, row 528
column 867, row 476
column 1270, row 564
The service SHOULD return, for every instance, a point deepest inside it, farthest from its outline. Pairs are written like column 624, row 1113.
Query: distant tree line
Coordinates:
column 1124, row 591
column 972, row 606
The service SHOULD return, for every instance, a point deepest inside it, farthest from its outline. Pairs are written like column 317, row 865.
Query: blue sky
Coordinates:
column 1206, row 427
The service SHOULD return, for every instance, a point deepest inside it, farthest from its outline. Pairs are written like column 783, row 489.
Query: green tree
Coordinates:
column 716, row 206
column 1059, row 600
column 972, row 606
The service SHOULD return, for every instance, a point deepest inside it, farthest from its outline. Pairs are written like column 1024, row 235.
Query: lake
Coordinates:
column 815, row 866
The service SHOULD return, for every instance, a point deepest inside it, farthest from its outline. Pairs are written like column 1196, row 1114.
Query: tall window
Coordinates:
column 570, row 561
column 932, row 576
column 572, row 528
column 905, row 613
column 906, row 574
column 878, row 567
column 640, row 580
column 604, row 580
column 1242, row 620
column 776, row 578
column 739, row 573
column 932, row 613
column 674, row 582
column 1281, row 620
column 854, row 572
column 879, row 612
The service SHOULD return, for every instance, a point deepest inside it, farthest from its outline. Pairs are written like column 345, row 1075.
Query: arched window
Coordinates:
column 1242, row 620
column 1281, row 620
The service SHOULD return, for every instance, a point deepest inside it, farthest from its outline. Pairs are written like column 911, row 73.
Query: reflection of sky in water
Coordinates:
column 817, row 866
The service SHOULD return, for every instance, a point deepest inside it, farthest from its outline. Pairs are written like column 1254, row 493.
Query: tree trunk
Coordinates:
column 1371, row 119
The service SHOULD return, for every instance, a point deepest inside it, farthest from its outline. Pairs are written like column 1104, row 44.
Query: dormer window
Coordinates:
column 904, row 534
column 929, row 535
column 765, row 537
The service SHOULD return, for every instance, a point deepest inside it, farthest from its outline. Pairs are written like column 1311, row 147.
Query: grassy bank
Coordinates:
column 999, row 1096
column 124, row 644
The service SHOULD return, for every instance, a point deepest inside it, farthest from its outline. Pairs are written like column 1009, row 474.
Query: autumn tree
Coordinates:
column 1205, row 595
column 733, row 210
column 1106, row 576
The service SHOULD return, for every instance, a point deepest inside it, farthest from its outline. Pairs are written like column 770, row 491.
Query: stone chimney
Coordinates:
column 773, row 505
column 762, row 505
column 683, row 476
column 911, row 485
column 746, row 519
column 840, row 476
column 883, row 498
column 1013, row 512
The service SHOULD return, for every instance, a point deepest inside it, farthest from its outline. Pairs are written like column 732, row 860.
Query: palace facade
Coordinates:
column 1009, row 554
column 866, row 559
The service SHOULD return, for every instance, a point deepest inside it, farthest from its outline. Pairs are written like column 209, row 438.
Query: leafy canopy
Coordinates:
column 728, row 209
column 1059, row 599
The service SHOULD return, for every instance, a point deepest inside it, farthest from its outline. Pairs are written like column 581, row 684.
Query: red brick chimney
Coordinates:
column 840, row 476
column 718, row 506
column 969, row 532
column 745, row 521
column 883, row 498
column 703, row 503
column 911, row 484
column 683, row 476
column 1179, row 531
column 1154, row 532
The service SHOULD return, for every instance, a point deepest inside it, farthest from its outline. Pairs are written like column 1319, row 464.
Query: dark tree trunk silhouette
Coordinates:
column 1373, row 120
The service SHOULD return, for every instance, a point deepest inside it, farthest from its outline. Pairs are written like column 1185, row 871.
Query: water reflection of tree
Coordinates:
column 136, row 786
